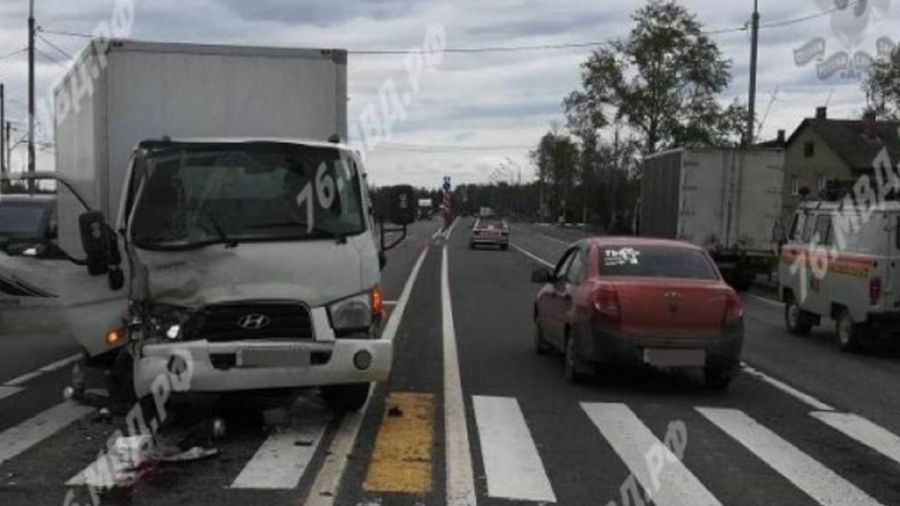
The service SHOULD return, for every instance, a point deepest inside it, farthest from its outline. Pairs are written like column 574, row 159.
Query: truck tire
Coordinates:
column 849, row 333
column 797, row 321
column 120, row 382
column 345, row 398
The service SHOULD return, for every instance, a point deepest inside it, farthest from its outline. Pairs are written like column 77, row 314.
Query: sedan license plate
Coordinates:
column 273, row 358
column 665, row 357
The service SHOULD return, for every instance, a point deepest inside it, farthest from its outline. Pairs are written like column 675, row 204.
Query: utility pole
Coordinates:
column 754, row 51
column 2, row 137
column 8, row 142
column 31, row 160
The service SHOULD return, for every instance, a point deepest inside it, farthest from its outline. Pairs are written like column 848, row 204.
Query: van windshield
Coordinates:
column 199, row 194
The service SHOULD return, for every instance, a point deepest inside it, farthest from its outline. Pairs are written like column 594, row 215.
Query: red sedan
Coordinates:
column 642, row 301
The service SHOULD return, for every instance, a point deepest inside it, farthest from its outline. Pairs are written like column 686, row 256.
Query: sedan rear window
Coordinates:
column 656, row 261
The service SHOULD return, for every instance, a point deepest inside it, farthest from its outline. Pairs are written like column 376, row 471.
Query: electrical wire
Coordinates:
column 54, row 46
column 14, row 53
column 427, row 148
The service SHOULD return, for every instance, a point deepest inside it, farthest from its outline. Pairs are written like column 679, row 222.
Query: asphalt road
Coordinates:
column 472, row 415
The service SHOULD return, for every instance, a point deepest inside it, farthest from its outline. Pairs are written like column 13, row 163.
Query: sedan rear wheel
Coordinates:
column 541, row 346
column 572, row 366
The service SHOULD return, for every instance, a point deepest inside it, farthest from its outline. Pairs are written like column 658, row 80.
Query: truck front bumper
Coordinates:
column 207, row 367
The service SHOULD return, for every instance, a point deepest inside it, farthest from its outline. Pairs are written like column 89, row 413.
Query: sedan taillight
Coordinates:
column 734, row 310
column 606, row 305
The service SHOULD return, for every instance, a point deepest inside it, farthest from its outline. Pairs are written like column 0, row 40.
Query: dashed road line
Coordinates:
column 43, row 370
column 8, row 391
column 402, row 459
column 672, row 483
column 765, row 300
column 324, row 490
column 817, row 481
column 511, row 461
column 532, row 256
column 870, row 434
column 460, row 477
column 23, row 436
column 803, row 397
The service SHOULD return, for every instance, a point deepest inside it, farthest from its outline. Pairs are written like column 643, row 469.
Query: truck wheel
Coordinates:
column 796, row 320
column 849, row 333
column 120, row 382
column 345, row 398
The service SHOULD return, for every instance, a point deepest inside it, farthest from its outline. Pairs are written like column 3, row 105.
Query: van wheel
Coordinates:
column 797, row 321
column 848, row 332
column 541, row 346
column 345, row 398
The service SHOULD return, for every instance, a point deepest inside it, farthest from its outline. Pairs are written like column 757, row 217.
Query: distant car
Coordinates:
column 489, row 231
column 639, row 301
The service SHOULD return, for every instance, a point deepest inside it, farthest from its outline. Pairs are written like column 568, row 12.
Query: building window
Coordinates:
column 795, row 186
column 809, row 149
column 821, row 182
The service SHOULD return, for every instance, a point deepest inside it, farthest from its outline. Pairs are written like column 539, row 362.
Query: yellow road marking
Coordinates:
column 401, row 461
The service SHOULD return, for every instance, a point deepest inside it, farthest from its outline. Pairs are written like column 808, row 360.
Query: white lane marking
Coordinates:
column 281, row 460
column 868, row 433
column 460, row 477
column 784, row 387
column 437, row 232
column 43, row 370
column 390, row 303
column 554, row 239
column 449, row 231
column 674, row 485
column 532, row 256
column 765, row 300
column 820, row 483
column 8, row 391
column 324, row 490
column 511, row 461
column 16, row 440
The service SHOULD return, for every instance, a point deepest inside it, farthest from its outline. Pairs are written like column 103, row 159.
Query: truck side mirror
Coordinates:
column 95, row 240
column 402, row 208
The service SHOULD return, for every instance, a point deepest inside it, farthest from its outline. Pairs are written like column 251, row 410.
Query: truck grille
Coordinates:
column 232, row 322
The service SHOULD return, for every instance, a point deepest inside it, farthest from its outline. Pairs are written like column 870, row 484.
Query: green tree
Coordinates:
column 557, row 162
column 882, row 87
column 662, row 81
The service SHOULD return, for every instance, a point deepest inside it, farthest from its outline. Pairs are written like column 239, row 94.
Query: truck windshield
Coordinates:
column 20, row 220
column 195, row 195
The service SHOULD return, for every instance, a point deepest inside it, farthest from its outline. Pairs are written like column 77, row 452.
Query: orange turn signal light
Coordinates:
column 377, row 299
column 114, row 336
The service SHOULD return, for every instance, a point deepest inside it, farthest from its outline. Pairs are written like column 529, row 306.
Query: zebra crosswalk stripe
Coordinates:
column 281, row 460
column 817, row 481
column 511, row 461
column 16, row 440
column 856, row 427
column 671, row 484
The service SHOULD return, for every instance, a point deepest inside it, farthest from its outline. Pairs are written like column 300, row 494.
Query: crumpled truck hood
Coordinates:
column 313, row 272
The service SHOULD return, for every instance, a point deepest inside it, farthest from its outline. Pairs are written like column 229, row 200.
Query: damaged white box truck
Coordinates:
column 207, row 237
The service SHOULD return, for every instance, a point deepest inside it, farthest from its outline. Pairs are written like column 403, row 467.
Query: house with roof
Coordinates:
column 823, row 149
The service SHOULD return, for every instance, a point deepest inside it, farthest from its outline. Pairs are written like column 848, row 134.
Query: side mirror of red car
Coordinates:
column 541, row 275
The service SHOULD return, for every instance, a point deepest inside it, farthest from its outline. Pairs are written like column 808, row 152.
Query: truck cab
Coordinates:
column 253, row 266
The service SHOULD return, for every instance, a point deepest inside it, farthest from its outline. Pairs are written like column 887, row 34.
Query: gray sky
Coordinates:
column 486, row 100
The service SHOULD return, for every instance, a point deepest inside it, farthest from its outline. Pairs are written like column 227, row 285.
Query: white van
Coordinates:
column 843, row 262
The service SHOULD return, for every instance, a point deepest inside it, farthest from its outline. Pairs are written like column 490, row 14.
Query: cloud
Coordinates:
column 488, row 99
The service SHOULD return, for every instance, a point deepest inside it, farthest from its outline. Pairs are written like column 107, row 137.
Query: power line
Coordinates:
column 446, row 147
column 50, row 58
column 65, row 33
column 54, row 46
column 794, row 21
column 14, row 53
